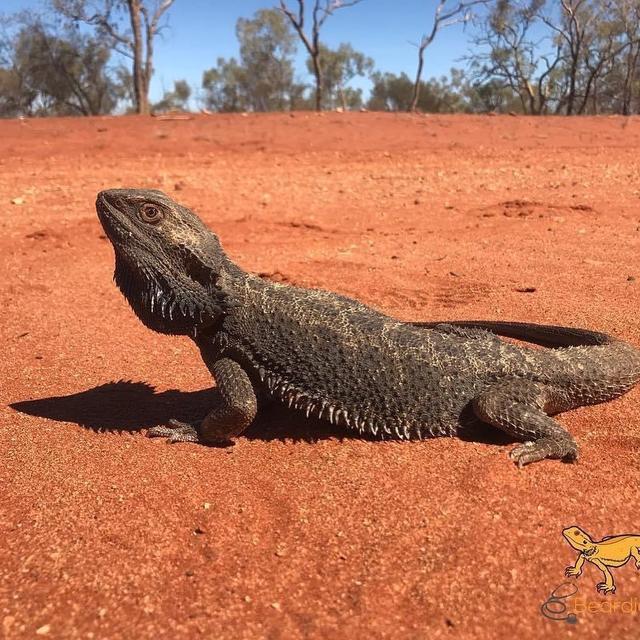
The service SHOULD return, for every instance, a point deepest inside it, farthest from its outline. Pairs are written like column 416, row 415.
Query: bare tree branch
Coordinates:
column 137, row 45
column 319, row 14
column 443, row 17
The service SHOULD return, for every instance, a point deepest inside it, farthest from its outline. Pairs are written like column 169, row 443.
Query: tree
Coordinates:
column 511, row 59
column 593, row 38
column 14, row 100
column 224, row 86
column 267, row 47
column 320, row 12
column 339, row 67
column 108, row 16
column 493, row 96
column 444, row 16
column 5, row 40
column 627, row 14
column 571, row 56
column 263, row 78
column 392, row 92
column 56, row 74
column 176, row 100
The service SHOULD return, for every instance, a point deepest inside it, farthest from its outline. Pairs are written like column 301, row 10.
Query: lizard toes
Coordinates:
column 605, row 588
column 515, row 452
column 176, row 431
column 524, row 453
column 529, row 452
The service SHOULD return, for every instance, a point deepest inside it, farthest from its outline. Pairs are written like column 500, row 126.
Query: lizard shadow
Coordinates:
column 127, row 406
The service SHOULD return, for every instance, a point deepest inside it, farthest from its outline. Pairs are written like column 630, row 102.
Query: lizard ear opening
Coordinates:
column 203, row 264
column 198, row 271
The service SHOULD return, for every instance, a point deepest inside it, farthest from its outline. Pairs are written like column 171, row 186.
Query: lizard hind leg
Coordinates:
column 520, row 408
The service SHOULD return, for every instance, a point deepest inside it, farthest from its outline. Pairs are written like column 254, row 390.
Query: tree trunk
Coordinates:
column 140, row 83
column 630, row 74
column 572, row 86
column 148, row 66
column 413, row 107
column 343, row 98
column 317, row 72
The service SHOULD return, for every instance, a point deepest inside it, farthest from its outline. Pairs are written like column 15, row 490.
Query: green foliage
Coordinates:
column 263, row 78
column 492, row 96
column 176, row 100
column 56, row 74
column 15, row 99
column 126, row 26
column 529, row 56
column 224, row 86
column 392, row 92
column 511, row 64
column 340, row 66
column 574, row 57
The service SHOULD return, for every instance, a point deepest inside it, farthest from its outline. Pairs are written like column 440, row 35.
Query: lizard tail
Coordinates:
column 541, row 334
column 605, row 367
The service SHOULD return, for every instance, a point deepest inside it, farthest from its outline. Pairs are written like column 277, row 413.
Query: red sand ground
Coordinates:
column 297, row 532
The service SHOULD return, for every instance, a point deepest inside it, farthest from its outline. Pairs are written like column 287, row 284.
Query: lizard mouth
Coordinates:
column 109, row 216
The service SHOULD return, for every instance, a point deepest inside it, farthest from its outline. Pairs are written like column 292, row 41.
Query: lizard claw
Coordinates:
column 528, row 452
column 175, row 431
column 605, row 588
column 572, row 572
column 523, row 453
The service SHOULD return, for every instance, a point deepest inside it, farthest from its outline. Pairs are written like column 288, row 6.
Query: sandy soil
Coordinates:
column 299, row 532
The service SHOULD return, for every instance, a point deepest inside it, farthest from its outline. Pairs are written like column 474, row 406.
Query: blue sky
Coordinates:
column 200, row 31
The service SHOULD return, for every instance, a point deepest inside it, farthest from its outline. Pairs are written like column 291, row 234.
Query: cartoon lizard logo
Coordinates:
column 611, row 551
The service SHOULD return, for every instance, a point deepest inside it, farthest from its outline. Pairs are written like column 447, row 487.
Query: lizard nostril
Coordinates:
column 117, row 203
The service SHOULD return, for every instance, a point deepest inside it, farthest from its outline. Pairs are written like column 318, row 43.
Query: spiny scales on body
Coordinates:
column 325, row 354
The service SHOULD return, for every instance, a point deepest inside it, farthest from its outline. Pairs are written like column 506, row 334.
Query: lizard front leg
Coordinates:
column 607, row 586
column 576, row 569
column 234, row 409
column 635, row 553
column 519, row 407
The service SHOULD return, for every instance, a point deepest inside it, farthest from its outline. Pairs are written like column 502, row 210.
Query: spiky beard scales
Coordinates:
column 161, row 306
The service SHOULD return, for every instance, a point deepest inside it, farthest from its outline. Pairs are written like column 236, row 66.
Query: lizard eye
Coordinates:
column 150, row 213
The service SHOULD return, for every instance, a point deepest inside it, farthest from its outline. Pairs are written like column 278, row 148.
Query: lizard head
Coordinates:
column 168, row 263
column 578, row 539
